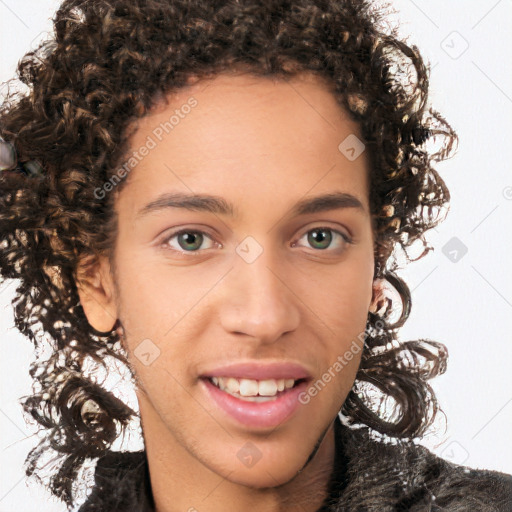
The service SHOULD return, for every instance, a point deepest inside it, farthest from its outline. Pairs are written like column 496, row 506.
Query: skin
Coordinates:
column 263, row 145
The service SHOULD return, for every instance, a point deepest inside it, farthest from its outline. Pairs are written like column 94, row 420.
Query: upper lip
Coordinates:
column 260, row 371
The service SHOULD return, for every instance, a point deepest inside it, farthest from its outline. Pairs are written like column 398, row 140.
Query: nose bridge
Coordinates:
column 257, row 300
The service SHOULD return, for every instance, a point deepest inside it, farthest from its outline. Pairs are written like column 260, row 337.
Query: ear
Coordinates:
column 95, row 285
column 378, row 298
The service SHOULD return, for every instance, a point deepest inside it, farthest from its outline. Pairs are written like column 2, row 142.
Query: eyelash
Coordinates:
column 345, row 238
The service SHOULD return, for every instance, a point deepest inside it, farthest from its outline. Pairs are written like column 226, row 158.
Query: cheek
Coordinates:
column 345, row 312
column 154, row 300
column 160, row 320
column 348, row 299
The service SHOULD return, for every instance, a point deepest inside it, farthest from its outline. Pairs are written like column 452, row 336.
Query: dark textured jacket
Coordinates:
column 369, row 476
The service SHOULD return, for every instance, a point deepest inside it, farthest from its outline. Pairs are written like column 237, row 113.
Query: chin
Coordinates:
column 263, row 476
column 255, row 468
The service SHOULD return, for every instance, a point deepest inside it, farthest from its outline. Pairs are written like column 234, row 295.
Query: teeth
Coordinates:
column 252, row 388
column 267, row 387
column 247, row 387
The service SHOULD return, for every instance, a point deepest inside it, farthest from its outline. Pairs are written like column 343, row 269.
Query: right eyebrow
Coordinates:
column 193, row 202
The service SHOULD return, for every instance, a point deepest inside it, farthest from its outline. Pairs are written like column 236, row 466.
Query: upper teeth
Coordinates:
column 249, row 387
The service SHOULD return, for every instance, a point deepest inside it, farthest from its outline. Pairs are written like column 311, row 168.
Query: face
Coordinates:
column 250, row 277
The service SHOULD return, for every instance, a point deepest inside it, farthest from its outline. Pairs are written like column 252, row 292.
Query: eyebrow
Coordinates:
column 218, row 205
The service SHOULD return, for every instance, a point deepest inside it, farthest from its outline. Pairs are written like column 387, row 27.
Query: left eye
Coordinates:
column 321, row 237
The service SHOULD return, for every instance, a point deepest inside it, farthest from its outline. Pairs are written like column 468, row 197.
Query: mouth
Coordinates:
column 251, row 390
column 247, row 407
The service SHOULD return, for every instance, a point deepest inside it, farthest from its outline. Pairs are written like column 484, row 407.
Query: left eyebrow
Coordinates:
column 332, row 201
column 218, row 205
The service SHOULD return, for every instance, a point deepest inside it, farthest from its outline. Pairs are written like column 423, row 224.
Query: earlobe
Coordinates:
column 96, row 291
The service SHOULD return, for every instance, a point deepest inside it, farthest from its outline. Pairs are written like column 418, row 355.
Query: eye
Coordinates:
column 188, row 240
column 192, row 240
column 321, row 237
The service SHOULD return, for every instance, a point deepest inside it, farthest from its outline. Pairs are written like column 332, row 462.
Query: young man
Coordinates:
column 223, row 185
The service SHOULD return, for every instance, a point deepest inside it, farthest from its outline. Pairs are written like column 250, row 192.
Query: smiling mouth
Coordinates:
column 251, row 390
column 247, row 407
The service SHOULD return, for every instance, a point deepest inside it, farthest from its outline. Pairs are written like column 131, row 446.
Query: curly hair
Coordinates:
column 107, row 64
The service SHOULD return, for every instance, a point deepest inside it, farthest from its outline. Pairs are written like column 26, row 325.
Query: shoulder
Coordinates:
column 121, row 484
column 408, row 477
column 378, row 477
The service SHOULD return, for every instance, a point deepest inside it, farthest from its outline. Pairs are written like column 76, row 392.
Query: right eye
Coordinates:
column 187, row 240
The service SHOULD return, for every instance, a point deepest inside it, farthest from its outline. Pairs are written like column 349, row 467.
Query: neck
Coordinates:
column 180, row 482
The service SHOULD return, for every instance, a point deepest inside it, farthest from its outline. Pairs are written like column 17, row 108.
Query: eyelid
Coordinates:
column 326, row 225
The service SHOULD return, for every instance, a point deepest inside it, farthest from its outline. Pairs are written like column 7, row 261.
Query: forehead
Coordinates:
column 246, row 133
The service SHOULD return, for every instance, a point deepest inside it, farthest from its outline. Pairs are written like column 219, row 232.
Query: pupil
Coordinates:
column 189, row 239
column 324, row 238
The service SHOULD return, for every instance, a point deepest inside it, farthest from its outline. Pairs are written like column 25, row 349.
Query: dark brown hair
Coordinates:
column 105, row 66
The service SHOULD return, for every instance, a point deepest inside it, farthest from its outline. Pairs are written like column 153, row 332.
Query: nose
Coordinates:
column 259, row 299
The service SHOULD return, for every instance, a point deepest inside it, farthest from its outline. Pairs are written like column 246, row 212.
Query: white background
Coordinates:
column 465, row 304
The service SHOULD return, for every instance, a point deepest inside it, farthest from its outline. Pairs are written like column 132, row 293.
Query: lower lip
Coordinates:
column 258, row 414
